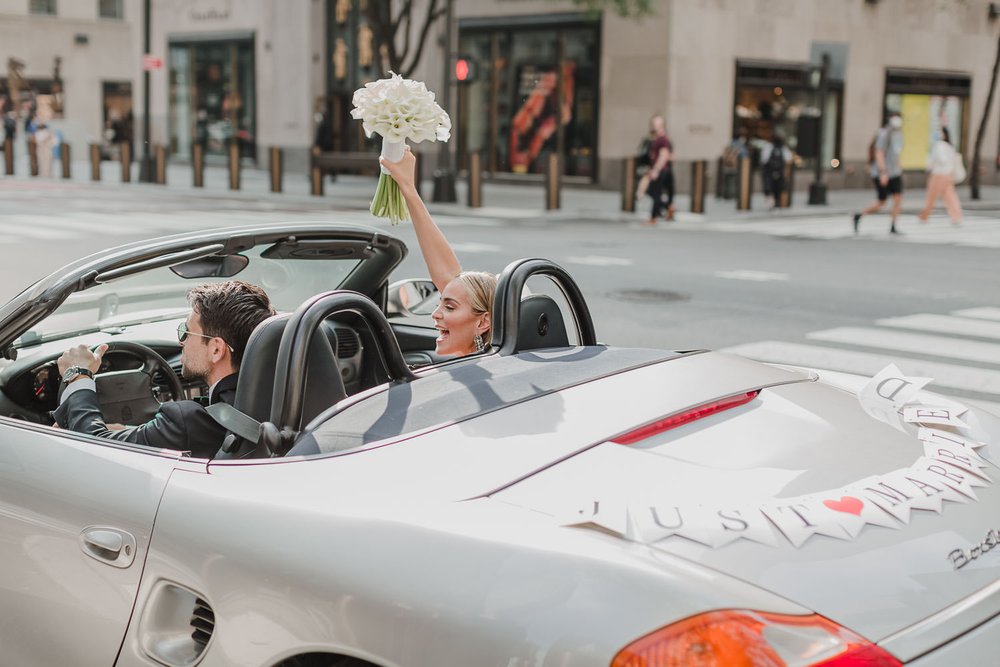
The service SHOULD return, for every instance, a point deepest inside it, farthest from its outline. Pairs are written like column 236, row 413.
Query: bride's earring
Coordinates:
column 479, row 343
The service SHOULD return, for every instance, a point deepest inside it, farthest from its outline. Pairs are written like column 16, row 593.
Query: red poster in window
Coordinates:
column 535, row 121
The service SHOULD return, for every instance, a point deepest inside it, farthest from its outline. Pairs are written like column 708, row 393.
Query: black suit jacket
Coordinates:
column 183, row 425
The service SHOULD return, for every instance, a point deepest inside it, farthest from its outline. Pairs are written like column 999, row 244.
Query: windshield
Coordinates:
column 160, row 294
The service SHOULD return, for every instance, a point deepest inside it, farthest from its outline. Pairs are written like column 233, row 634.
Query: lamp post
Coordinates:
column 146, row 165
column 817, row 189
column 444, row 178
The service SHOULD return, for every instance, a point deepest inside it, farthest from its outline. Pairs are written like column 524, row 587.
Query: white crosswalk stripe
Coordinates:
column 957, row 350
column 980, row 229
column 128, row 220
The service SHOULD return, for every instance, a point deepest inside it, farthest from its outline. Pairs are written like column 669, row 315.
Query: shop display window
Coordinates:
column 213, row 97
column 511, row 112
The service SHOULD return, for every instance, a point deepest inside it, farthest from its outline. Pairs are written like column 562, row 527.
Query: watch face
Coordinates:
column 74, row 371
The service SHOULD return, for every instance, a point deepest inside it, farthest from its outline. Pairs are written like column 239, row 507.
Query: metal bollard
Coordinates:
column 719, row 171
column 628, row 185
column 8, row 156
column 65, row 158
column 276, row 169
column 95, row 162
column 126, row 157
column 315, row 175
column 33, row 156
column 745, row 180
column 198, row 165
column 699, row 170
column 785, row 201
column 317, row 182
column 234, row 165
column 475, row 181
column 161, row 164
column 552, row 182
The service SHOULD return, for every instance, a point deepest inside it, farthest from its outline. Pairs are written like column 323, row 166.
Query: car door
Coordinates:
column 76, row 516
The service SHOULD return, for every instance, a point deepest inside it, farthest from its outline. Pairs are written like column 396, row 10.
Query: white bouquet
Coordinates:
column 398, row 109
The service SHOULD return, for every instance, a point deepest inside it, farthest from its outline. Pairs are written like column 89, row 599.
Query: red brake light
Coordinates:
column 740, row 638
column 686, row 417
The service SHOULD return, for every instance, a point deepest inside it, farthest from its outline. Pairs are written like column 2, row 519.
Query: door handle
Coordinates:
column 109, row 545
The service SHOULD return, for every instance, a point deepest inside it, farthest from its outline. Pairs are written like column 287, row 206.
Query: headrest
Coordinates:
column 255, row 387
column 540, row 324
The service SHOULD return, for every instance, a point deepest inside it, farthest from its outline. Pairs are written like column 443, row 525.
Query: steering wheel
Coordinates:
column 127, row 396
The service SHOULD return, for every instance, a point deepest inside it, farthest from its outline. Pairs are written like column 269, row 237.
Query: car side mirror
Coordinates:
column 413, row 296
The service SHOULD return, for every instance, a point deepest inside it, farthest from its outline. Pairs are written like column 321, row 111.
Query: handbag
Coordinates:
column 958, row 174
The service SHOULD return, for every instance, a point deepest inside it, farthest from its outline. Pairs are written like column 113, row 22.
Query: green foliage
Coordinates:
column 625, row 8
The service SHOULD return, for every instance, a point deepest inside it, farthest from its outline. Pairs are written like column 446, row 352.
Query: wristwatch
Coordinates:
column 75, row 373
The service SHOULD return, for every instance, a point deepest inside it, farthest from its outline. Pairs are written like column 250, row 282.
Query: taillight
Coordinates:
column 686, row 417
column 739, row 638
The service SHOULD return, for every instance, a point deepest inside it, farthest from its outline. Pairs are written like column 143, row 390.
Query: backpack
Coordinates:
column 775, row 165
column 642, row 155
column 731, row 156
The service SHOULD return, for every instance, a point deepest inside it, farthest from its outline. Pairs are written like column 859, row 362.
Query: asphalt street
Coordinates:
column 793, row 286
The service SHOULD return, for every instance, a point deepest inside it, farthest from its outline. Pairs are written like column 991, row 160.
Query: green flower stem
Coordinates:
column 388, row 201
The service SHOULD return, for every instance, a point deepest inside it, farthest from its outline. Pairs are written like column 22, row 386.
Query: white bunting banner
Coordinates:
column 948, row 475
column 887, row 392
column 800, row 518
column 612, row 515
column 938, row 416
column 854, row 511
column 937, row 436
column 713, row 527
column 950, row 468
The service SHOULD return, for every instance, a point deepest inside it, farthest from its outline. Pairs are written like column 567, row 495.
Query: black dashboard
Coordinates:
column 31, row 385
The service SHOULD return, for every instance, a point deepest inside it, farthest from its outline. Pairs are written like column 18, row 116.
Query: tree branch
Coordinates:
column 429, row 20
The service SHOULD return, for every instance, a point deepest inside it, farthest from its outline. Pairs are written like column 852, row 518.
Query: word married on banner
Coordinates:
column 949, row 470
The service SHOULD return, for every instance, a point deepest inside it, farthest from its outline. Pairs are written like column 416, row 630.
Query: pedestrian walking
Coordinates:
column 661, row 175
column 44, row 143
column 887, row 173
column 774, row 155
column 946, row 169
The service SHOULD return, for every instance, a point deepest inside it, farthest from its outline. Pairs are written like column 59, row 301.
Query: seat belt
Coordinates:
column 235, row 421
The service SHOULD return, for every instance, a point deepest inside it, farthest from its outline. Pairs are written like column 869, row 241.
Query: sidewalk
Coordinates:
column 515, row 202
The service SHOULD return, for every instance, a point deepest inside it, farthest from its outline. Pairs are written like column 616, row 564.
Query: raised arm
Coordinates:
column 442, row 264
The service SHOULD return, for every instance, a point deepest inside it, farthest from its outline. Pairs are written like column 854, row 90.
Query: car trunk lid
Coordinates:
column 801, row 492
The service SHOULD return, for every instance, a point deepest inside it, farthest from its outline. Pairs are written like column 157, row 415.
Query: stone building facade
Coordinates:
column 546, row 76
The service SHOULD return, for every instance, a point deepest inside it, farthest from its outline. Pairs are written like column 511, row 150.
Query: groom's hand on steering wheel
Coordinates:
column 82, row 356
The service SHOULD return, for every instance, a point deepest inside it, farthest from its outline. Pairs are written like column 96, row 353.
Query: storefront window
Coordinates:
column 927, row 102
column 782, row 100
column 110, row 9
column 512, row 113
column 42, row 7
column 213, row 97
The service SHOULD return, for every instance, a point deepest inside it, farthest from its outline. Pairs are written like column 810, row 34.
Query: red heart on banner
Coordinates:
column 846, row 504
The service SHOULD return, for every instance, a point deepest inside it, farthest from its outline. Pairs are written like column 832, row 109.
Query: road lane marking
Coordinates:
column 946, row 376
column 984, row 313
column 475, row 247
column 747, row 274
column 961, row 326
column 902, row 341
column 599, row 260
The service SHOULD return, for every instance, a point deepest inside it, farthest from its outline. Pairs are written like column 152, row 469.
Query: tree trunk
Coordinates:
column 974, row 167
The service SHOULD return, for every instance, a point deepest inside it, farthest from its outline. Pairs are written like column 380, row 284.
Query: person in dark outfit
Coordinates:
column 661, row 175
column 213, row 339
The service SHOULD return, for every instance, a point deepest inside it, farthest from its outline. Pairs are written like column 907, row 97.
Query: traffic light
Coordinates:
column 465, row 69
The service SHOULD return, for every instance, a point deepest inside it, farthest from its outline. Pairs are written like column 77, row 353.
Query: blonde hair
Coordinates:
column 481, row 287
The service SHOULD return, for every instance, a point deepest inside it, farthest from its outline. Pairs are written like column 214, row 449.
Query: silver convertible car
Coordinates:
column 551, row 501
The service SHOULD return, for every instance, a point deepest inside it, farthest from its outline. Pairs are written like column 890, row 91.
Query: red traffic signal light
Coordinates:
column 465, row 70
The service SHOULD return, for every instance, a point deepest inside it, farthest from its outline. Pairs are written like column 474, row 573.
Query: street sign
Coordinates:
column 150, row 63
